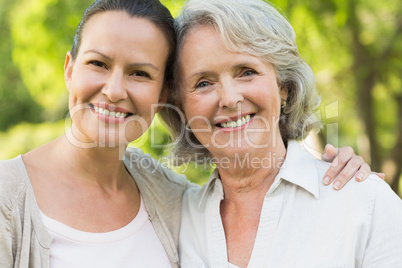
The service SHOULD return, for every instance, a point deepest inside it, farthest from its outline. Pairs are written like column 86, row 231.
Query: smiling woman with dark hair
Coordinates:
column 73, row 202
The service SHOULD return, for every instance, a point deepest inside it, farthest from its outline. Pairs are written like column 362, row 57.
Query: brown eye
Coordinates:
column 98, row 64
column 141, row 73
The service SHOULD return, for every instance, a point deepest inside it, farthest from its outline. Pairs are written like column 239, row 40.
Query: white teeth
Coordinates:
column 238, row 123
column 106, row 112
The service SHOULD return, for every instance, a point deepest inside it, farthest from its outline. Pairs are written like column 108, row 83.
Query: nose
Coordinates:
column 230, row 94
column 114, row 87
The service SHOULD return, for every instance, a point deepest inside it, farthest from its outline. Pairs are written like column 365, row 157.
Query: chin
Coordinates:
column 111, row 140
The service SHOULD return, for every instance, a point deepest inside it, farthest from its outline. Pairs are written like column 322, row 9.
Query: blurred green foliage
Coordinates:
column 42, row 32
column 26, row 136
column 16, row 104
column 353, row 46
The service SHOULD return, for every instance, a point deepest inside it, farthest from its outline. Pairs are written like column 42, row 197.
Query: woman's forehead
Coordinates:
column 116, row 31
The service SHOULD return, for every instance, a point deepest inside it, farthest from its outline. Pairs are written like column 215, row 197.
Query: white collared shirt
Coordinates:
column 303, row 223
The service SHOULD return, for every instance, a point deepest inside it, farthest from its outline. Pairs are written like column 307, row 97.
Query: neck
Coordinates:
column 252, row 173
column 100, row 165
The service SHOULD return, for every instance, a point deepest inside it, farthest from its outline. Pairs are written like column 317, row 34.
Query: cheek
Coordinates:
column 193, row 113
column 267, row 97
column 145, row 100
column 85, row 85
column 187, row 104
column 199, row 105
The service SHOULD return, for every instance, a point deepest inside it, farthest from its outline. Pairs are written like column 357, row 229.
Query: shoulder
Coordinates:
column 13, row 184
column 370, row 183
column 309, row 171
column 196, row 198
column 197, row 192
column 371, row 210
column 161, row 188
column 12, row 177
column 10, row 166
column 369, row 194
column 152, row 172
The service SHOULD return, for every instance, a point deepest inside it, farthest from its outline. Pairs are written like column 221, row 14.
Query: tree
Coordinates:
column 42, row 33
column 16, row 102
column 360, row 57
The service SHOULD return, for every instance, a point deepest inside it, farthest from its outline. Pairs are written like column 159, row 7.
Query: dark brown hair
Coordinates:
column 152, row 10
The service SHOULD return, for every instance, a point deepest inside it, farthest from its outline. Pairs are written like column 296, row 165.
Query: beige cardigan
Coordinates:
column 24, row 241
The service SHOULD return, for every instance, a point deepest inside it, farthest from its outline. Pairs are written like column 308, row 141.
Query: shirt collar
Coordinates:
column 298, row 168
column 208, row 187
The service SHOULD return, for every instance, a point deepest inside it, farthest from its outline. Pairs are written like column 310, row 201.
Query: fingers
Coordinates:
column 338, row 163
column 381, row 175
column 355, row 164
column 345, row 164
column 329, row 154
column 363, row 172
column 344, row 167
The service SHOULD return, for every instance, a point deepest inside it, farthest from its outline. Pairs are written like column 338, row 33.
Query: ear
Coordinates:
column 68, row 69
column 283, row 93
column 163, row 97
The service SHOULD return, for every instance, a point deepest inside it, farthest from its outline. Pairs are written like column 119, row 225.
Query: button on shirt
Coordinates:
column 303, row 223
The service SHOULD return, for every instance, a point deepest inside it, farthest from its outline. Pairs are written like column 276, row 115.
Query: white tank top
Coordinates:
column 134, row 245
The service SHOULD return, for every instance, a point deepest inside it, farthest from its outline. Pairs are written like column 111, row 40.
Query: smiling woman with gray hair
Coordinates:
column 247, row 96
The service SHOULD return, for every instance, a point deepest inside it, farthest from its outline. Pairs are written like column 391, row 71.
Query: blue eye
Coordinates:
column 202, row 84
column 249, row 73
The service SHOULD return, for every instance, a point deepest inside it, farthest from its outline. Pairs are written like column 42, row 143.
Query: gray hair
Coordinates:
column 256, row 28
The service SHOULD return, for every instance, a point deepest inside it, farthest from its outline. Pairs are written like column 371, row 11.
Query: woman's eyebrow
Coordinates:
column 131, row 65
column 236, row 66
column 142, row 64
column 97, row 52
column 201, row 73
column 244, row 64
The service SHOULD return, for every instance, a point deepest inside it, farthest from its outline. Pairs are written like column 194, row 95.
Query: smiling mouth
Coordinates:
column 238, row 123
column 106, row 112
